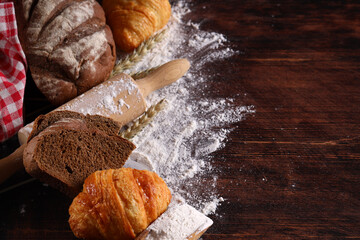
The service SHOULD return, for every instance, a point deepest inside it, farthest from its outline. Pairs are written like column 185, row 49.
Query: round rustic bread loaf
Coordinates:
column 69, row 47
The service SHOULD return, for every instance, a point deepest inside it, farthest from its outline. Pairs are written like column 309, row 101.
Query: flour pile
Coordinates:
column 181, row 138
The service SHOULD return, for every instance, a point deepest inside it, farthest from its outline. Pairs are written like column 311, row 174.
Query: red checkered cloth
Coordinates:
column 12, row 74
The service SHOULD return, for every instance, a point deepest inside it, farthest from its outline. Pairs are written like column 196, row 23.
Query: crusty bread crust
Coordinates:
column 69, row 47
column 92, row 121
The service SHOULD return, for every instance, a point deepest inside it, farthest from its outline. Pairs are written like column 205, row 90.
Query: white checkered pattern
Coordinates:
column 12, row 74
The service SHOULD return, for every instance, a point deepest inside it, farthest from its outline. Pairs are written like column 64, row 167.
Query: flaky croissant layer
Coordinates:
column 133, row 21
column 118, row 204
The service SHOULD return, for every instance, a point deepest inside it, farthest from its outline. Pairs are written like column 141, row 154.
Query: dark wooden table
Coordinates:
column 289, row 171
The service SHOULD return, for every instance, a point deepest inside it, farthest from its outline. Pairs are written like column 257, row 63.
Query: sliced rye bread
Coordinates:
column 66, row 147
column 92, row 121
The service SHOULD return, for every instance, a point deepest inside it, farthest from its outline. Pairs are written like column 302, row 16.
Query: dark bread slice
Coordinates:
column 92, row 121
column 68, row 149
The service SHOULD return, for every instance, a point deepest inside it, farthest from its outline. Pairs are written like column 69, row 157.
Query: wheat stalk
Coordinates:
column 138, row 54
column 142, row 121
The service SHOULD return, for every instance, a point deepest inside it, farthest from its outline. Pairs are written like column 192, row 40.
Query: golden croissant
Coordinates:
column 133, row 21
column 118, row 204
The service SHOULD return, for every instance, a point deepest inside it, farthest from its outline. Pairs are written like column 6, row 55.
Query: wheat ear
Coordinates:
column 143, row 120
column 138, row 54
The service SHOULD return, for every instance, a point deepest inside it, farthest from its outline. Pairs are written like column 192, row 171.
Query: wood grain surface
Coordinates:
column 290, row 170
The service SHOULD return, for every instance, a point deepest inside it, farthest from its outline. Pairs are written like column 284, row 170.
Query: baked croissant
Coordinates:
column 133, row 21
column 118, row 204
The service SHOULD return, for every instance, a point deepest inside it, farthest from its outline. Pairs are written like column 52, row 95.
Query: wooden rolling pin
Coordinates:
column 120, row 98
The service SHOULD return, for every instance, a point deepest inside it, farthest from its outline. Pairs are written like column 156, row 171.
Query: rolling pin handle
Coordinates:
column 11, row 164
column 162, row 76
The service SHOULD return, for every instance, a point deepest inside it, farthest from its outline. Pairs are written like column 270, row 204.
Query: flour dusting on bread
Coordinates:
column 65, row 42
column 91, row 47
column 56, row 31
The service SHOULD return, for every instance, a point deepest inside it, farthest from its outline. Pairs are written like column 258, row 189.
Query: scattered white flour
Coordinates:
column 22, row 209
column 210, row 207
column 180, row 140
column 102, row 98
